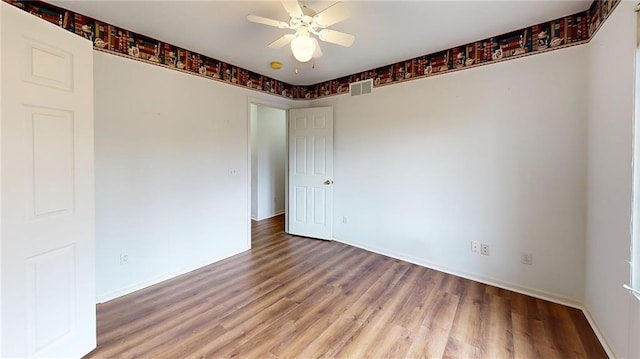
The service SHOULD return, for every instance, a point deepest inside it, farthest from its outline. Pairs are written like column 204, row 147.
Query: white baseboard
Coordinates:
column 555, row 298
column 277, row 213
column 460, row 273
column 101, row 298
column 552, row 297
column 599, row 334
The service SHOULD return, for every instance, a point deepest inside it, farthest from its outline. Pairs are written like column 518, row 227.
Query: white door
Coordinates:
column 310, row 211
column 47, row 191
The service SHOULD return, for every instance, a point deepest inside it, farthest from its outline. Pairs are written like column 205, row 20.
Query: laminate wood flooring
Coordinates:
column 294, row 297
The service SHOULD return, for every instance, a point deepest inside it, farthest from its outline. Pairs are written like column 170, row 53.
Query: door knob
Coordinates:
column 328, row 182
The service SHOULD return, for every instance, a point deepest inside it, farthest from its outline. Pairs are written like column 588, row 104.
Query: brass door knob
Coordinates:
column 328, row 182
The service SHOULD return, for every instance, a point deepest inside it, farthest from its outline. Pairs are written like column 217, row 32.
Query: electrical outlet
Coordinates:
column 527, row 258
column 484, row 249
column 475, row 246
column 233, row 171
column 124, row 259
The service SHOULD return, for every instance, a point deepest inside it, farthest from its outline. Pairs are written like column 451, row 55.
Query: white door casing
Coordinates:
column 310, row 210
column 47, row 189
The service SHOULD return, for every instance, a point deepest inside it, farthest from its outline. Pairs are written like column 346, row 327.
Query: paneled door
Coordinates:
column 47, row 189
column 310, row 211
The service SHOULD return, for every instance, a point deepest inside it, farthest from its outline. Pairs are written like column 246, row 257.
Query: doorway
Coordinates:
column 268, row 146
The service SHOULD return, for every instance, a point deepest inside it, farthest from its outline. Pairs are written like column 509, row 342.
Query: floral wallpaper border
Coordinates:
column 567, row 31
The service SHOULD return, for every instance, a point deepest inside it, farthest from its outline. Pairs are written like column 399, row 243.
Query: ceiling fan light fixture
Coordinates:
column 303, row 47
column 306, row 22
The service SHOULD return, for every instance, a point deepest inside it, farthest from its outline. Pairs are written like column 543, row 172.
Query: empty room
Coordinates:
column 301, row 179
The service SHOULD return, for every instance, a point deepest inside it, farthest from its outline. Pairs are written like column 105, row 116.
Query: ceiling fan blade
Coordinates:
column 336, row 37
column 318, row 51
column 332, row 15
column 292, row 8
column 284, row 40
column 267, row 21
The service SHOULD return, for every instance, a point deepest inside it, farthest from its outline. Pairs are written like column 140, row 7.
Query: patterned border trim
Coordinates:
column 564, row 32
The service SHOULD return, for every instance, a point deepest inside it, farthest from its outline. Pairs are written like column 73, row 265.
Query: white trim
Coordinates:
column 261, row 102
column 249, row 174
column 635, row 206
column 276, row 214
column 3, row 5
column 556, row 298
column 636, row 293
column 596, row 329
column 147, row 283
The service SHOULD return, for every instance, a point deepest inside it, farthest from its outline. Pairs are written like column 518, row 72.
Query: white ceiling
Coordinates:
column 385, row 31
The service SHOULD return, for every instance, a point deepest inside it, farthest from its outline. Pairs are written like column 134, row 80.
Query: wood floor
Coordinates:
column 298, row 297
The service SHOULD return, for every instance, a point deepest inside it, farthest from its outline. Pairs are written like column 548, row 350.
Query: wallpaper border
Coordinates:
column 567, row 31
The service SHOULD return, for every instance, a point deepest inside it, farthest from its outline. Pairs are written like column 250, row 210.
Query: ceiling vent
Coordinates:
column 361, row 87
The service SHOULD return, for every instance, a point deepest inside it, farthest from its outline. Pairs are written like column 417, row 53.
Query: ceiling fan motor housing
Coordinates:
column 306, row 21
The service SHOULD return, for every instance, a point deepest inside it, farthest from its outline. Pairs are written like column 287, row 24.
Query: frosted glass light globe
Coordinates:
column 303, row 48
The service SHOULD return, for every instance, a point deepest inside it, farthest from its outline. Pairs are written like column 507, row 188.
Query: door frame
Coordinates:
column 286, row 108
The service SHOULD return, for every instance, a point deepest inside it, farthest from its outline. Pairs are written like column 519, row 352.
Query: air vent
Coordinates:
column 361, row 87
column 355, row 88
column 367, row 86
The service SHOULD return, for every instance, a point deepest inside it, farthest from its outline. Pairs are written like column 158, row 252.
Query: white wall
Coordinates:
column 165, row 143
column 495, row 154
column 508, row 154
column 271, row 155
column 610, row 103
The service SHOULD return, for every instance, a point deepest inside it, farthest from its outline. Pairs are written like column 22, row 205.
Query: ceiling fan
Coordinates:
column 306, row 22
